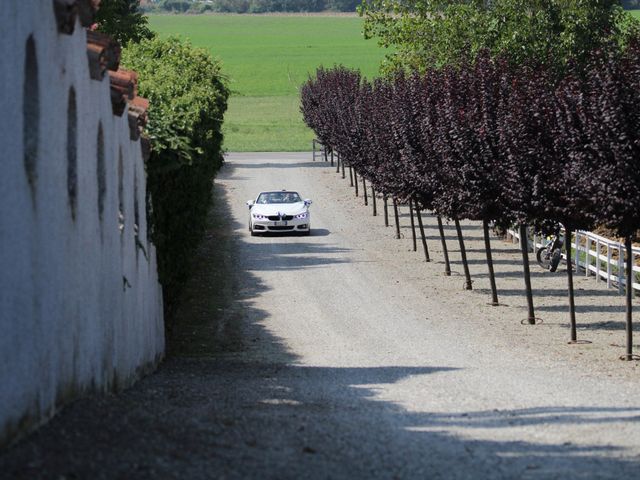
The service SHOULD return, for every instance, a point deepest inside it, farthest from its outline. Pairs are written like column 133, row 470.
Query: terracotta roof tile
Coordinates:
column 125, row 81
column 97, row 61
column 103, row 52
column 104, row 55
column 140, row 103
column 124, row 87
column 118, row 102
column 138, row 107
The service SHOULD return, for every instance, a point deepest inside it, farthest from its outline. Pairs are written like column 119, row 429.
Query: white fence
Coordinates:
column 604, row 258
column 318, row 150
column 598, row 256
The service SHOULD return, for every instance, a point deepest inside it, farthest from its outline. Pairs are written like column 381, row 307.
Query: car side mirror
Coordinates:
column 308, row 201
column 250, row 203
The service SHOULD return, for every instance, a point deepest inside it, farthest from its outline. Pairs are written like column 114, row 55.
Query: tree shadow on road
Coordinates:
column 211, row 418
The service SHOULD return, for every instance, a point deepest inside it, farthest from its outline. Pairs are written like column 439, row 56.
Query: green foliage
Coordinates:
column 188, row 98
column 197, row 8
column 123, row 21
column 254, row 6
column 175, row 5
column 343, row 5
column 439, row 32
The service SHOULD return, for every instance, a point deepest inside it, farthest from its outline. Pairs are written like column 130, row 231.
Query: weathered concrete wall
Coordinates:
column 80, row 303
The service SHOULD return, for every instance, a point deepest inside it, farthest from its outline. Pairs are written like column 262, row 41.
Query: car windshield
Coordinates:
column 278, row 197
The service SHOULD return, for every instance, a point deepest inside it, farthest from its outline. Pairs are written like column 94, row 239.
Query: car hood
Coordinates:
column 276, row 208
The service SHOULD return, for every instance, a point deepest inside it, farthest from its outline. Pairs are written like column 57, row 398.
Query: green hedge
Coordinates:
column 250, row 6
column 188, row 97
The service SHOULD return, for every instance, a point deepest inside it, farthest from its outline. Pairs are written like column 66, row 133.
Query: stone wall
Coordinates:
column 80, row 303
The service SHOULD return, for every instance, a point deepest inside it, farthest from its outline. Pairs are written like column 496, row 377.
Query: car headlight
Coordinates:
column 302, row 215
column 259, row 216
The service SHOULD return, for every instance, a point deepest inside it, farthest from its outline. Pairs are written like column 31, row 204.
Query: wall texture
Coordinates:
column 80, row 303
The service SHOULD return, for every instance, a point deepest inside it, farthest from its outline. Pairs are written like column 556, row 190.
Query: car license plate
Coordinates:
column 280, row 224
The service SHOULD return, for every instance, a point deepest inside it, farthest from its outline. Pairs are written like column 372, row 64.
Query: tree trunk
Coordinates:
column 385, row 200
column 492, row 276
column 395, row 212
column 332, row 157
column 447, row 265
column 629, row 320
column 342, row 163
column 413, row 226
column 424, row 239
column 337, row 163
column 355, row 178
column 350, row 176
column 373, row 199
column 572, row 303
column 364, row 192
column 524, row 246
column 463, row 252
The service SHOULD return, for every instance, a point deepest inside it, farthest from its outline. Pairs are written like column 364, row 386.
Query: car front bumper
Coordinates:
column 295, row 225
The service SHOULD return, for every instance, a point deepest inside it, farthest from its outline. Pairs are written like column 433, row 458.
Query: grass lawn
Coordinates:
column 266, row 59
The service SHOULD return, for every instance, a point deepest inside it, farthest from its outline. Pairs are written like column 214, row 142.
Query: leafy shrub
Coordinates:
column 179, row 6
column 123, row 20
column 188, row 97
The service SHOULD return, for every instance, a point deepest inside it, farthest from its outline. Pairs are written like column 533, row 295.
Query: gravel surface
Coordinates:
column 346, row 355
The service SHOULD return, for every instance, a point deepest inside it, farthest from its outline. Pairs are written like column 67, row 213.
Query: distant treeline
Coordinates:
column 251, row 6
column 631, row 4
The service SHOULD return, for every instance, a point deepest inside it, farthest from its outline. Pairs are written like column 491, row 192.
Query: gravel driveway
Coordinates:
column 346, row 355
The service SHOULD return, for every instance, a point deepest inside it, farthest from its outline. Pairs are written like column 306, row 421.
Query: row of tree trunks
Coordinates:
column 524, row 246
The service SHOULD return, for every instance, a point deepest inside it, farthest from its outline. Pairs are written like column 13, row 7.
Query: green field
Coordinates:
column 266, row 58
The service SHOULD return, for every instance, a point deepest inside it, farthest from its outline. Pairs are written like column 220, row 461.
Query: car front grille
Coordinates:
column 280, row 228
column 277, row 218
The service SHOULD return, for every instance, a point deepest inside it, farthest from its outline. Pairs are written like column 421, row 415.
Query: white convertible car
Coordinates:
column 279, row 211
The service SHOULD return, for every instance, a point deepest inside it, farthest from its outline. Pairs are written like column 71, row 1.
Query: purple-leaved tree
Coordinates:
column 606, row 117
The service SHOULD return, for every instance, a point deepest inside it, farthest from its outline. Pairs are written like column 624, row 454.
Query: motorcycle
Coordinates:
column 550, row 253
